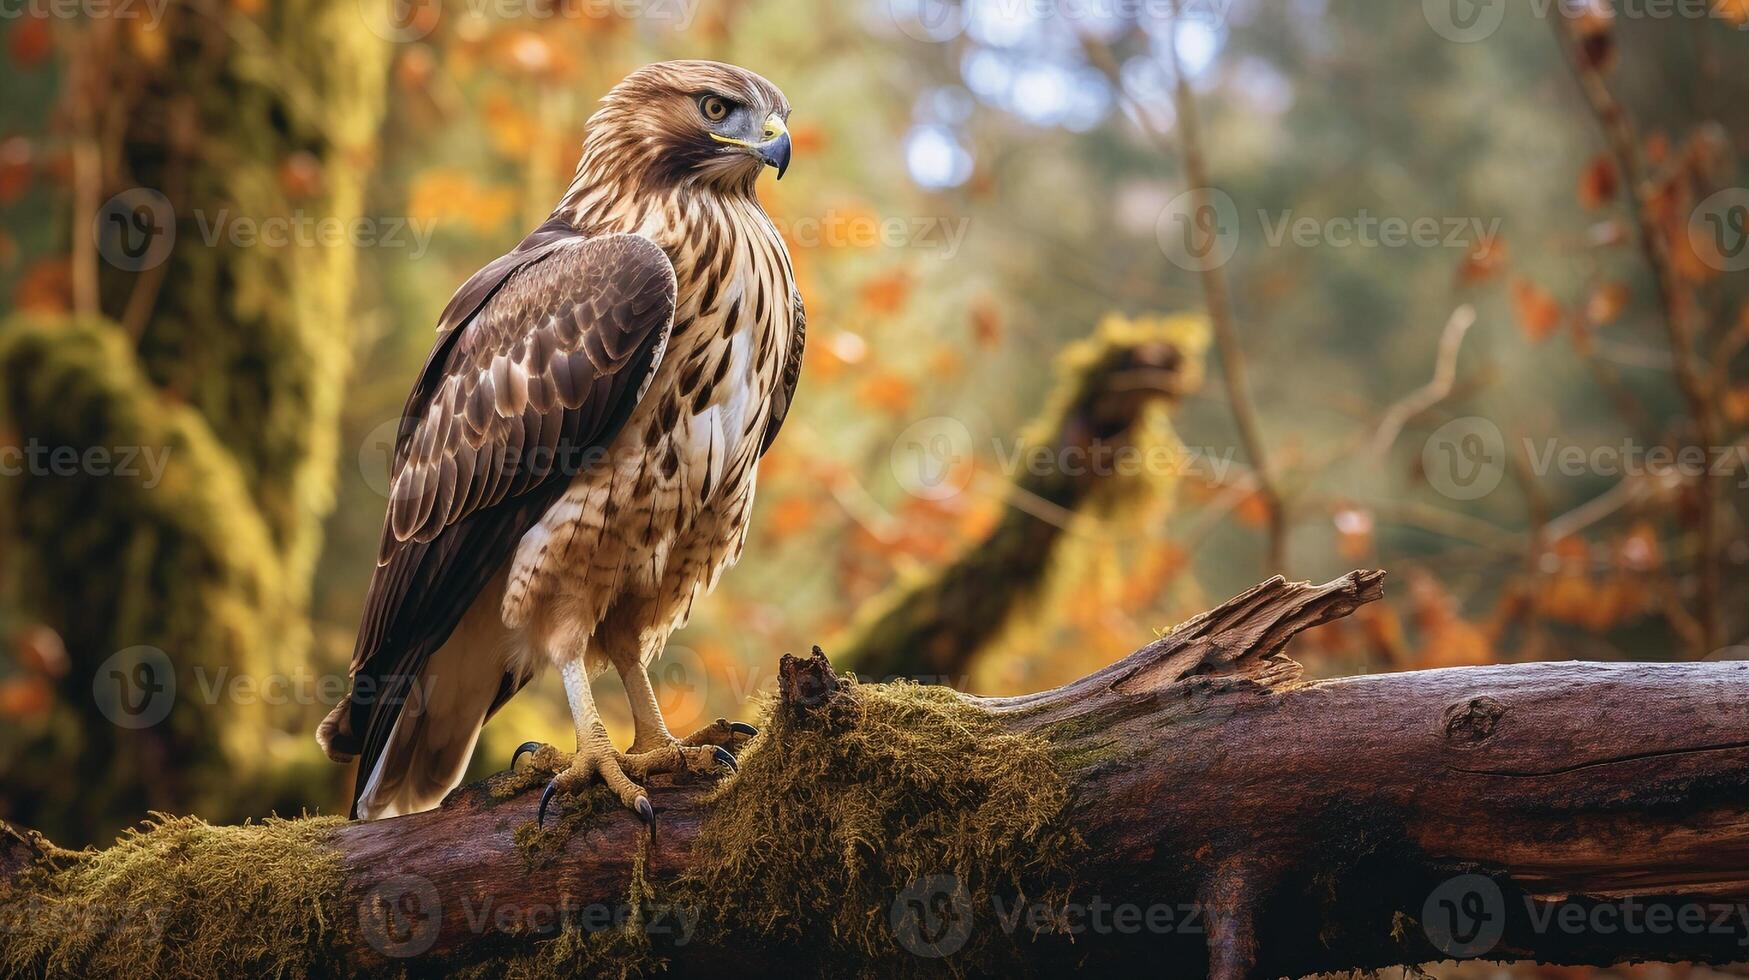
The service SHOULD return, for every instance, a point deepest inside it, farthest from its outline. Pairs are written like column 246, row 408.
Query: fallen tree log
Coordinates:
column 1231, row 820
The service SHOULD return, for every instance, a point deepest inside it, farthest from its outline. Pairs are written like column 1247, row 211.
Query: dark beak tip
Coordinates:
column 776, row 154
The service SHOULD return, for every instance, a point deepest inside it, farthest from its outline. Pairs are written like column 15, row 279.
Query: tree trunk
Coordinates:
column 204, row 361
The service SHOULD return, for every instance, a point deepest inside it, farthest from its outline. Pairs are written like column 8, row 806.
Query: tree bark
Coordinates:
column 1311, row 826
column 208, row 374
column 1540, row 811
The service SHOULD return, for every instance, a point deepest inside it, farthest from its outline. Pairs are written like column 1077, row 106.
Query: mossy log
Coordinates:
column 1287, row 826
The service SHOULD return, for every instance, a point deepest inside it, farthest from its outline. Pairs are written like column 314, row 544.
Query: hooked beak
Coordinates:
column 775, row 148
column 773, row 145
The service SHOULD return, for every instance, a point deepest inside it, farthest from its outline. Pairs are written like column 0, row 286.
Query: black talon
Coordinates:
column 647, row 814
column 520, row 749
column 725, row 758
column 546, row 796
column 743, row 728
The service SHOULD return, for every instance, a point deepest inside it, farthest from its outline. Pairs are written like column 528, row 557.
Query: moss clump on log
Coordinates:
column 178, row 897
column 886, row 788
column 1100, row 437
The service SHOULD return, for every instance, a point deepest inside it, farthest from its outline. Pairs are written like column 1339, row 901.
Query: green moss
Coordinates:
column 179, row 898
column 829, row 822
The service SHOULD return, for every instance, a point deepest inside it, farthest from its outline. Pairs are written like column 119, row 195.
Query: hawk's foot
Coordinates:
column 597, row 757
column 730, row 735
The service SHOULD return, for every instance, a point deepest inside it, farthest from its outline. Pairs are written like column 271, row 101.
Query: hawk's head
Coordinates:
column 691, row 122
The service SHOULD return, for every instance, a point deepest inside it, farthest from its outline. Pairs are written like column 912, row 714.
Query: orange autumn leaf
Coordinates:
column 807, row 139
column 946, row 363
column 444, row 194
column 415, row 67
column 1606, row 302
column 1153, row 573
column 300, row 175
column 15, row 168
column 888, row 392
column 150, row 44
column 1657, row 148
column 31, row 41
column 1253, row 511
column 792, row 515
column 986, row 322
column 1598, row 182
column 1694, row 251
column 1446, row 638
column 1736, row 403
column 45, row 287
column 1383, row 630
column 886, row 293
column 513, row 131
column 1483, row 261
column 25, row 695
column 1539, row 314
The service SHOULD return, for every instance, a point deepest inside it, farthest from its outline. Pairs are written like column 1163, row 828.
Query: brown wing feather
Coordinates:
column 537, row 367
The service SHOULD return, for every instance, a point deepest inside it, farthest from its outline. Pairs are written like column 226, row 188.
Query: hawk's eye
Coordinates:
column 714, row 107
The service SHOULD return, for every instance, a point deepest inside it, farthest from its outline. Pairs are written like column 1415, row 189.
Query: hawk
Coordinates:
column 576, row 462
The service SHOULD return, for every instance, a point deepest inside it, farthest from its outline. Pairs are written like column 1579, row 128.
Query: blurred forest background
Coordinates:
column 1450, row 288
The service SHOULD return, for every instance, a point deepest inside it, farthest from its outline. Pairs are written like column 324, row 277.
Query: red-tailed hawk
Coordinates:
column 576, row 461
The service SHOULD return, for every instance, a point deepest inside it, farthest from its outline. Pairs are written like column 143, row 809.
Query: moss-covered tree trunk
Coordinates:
column 199, row 388
column 1100, row 445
